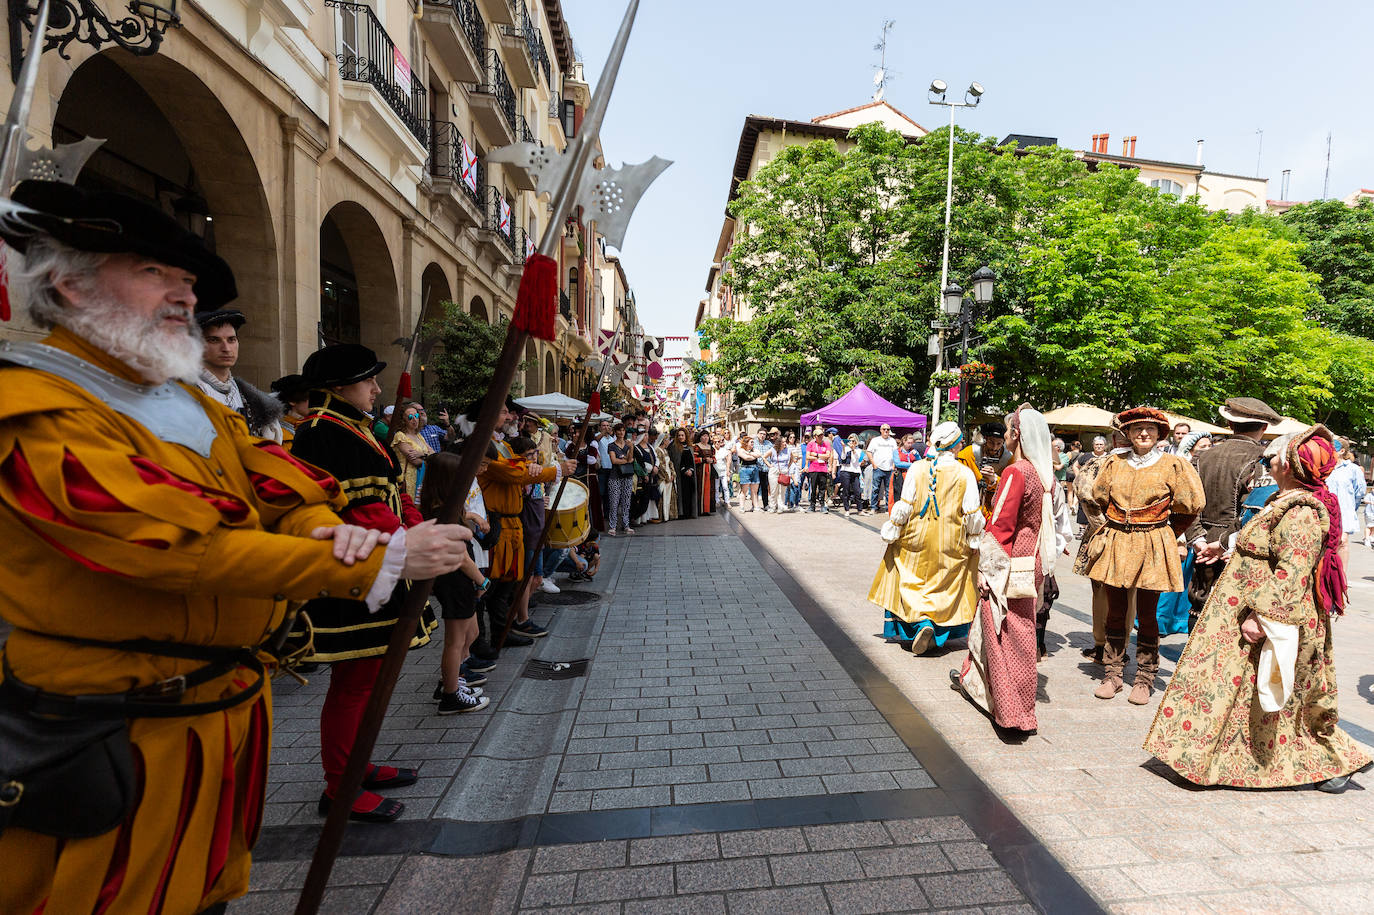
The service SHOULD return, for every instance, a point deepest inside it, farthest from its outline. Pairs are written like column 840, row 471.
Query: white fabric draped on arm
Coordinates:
column 1277, row 661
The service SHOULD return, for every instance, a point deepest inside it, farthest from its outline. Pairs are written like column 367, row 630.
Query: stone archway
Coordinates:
column 436, row 295
column 478, row 308
column 550, row 374
column 358, row 294
column 170, row 140
column 532, row 374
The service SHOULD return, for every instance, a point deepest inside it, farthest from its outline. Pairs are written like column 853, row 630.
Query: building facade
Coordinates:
column 761, row 139
column 334, row 153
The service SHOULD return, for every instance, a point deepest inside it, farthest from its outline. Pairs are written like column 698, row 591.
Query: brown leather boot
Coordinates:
column 1147, row 665
column 1114, row 660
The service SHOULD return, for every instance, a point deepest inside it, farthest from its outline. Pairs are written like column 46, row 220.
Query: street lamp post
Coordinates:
column 972, row 96
column 982, row 283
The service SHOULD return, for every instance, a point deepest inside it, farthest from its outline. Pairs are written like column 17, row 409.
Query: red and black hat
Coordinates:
column 1137, row 415
column 110, row 223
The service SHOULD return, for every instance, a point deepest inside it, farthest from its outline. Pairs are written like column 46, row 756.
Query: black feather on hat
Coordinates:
column 110, row 223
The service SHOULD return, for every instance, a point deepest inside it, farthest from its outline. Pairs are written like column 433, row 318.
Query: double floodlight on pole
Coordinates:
column 972, row 96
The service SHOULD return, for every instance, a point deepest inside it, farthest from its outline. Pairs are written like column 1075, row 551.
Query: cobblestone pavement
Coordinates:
column 718, row 757
column 1138, row 840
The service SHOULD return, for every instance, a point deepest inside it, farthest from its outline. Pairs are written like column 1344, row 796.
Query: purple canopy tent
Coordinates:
column 862, row 407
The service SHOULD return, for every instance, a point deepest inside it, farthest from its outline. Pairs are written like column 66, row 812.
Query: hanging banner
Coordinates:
column 504, row 224
column 401, row 69
column 529, row 247
column 468, row 165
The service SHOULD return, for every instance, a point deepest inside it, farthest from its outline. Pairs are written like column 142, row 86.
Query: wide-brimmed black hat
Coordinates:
column 993, row 430
column 340, row 364
column 106, row 222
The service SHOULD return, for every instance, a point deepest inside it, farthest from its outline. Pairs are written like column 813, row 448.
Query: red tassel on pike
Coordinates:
column 595, row 403
column 537, row 300
column 4, row 286
column 403, row 386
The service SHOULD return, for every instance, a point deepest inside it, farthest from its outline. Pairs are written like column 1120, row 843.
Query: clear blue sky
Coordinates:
column 1171, row 74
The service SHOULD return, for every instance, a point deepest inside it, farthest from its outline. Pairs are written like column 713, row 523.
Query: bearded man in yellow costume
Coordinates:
column 152, row 547
column 928, row 582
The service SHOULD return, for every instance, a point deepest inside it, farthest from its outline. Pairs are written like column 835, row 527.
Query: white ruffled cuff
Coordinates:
column 393, row 563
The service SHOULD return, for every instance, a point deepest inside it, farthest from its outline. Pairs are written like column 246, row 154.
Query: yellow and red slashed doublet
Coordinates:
column 112, row 533
column 503, row 487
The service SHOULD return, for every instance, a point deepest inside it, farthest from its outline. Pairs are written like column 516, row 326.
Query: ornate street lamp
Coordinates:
column 936, row 95
column 82, row 21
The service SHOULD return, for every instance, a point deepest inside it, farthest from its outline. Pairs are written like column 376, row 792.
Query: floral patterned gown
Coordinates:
column 1210, row 727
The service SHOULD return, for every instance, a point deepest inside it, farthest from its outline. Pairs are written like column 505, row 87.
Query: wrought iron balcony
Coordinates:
column 565, row 305
column 500, row 224
column 520, row 48
column 368, row 55
column 496, row 89
column 447, row 161
column 523, row 134
column 470, row 18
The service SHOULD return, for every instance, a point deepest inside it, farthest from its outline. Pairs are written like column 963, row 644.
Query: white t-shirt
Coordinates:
column 883, row 452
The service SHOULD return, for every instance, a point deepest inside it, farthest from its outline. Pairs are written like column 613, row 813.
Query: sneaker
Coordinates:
column 460, row 702
column 472, row 677
column 529, row 628
column 478, row 665
column 464, row 686
column 516, row 640
column 548, row 587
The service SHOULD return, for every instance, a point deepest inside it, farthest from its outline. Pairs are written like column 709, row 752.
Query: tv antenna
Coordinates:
column 880, row 76
column 1326, row 181
column 1259, row 154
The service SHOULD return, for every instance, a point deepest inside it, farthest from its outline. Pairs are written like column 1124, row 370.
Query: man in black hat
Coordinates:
column 990, row 457
column 336, row 435
column 220, row 328
column 152, row 547
column 1228, row 470
column 294, row 395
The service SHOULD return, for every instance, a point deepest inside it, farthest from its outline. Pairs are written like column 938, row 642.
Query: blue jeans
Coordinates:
column 877, row 495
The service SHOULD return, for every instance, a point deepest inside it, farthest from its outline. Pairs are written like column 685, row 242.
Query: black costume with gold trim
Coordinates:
column 337, row 437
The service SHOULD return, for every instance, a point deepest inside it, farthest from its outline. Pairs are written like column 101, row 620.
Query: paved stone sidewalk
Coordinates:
column 717, row 748
column 1118, row 820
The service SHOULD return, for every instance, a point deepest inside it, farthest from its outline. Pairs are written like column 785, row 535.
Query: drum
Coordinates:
column 569, row 523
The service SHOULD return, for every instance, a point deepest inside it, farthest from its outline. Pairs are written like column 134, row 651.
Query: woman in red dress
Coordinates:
column 1017, row 552
column 704, row 461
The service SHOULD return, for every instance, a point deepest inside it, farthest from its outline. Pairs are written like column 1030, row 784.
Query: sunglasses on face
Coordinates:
column 1267, row 462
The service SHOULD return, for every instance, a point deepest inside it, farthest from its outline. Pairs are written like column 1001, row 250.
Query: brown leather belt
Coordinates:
column 1128, row 526
column 1151, row 516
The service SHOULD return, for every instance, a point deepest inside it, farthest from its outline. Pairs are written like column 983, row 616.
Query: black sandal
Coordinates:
column 385, row 812
column 401, row 779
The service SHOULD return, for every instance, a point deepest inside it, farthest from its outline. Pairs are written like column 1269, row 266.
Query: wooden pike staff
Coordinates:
column 547, row 529
column 534, row 311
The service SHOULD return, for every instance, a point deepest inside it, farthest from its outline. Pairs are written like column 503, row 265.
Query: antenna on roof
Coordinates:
column 880, row 76
column 1259, row 154
column 1326, row 181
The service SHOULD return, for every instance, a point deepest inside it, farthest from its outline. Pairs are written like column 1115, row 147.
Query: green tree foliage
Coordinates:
column 1107, row 291
column 463, row 359
column 1338, row 246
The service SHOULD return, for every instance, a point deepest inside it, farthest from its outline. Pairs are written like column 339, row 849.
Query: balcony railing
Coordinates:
column 523, row 134
column 446, row 160
column 497, row 85
column 565, row 305
column 472, row 23
column 368, row 55
column 494, row 218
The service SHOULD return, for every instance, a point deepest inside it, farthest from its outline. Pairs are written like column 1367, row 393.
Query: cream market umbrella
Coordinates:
column 1196, row 425
column 557, row 405
column 1287, row 426
column 1080, row 417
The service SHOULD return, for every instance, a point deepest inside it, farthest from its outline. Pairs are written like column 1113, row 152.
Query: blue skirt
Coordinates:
column 1172, row 609
column 903, row 631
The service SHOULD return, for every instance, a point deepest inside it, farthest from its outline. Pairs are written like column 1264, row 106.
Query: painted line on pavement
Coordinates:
column 1029, row 864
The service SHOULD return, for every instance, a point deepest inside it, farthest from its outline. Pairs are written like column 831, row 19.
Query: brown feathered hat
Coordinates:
column 1142, row 415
